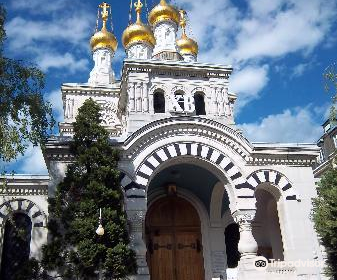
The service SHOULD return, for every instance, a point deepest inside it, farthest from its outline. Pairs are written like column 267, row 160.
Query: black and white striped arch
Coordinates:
column 187, row 149
column 275, row 178
column 132, row 189
column 27, row 207
column 245, row 187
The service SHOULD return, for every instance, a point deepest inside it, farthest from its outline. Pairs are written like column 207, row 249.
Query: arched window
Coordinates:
column 199, row 104
column 232, row 237
column 16, row 246
column 159, row 102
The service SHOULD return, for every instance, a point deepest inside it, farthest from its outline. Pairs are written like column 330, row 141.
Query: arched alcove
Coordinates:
column 16, row 244
column 266, row 229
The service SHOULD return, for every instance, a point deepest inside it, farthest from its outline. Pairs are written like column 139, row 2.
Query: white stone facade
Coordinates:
column 166, row 114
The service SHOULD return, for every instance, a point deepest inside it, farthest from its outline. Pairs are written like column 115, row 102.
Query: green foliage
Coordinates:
column 330, row 85
column 325, row 217
column 92, row 182
column 31, row 270
column 24, row 116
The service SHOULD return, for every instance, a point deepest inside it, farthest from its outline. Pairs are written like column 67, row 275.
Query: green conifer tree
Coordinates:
column 325, row 218
column 74, row 250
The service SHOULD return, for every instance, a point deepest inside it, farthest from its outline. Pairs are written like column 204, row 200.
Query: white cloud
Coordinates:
column 247, row 83
column 37, row 6
column 294, row 26
column 33, row 161
column 268, row 28
column 55, row 99
column 264, row 29
column 48, row 40
column 292, row 125
column 29, row 33
column 299, row 69
column 67, row 61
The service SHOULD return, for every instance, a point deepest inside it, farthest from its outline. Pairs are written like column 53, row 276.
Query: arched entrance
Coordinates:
column 173, row 239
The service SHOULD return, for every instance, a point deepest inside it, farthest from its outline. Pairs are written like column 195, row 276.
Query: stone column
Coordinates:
column 136, row 212
column 131, row 92
column 138, row 97
column 145, row 98
column 214, row 107
column 220, row 102
column 247, row 247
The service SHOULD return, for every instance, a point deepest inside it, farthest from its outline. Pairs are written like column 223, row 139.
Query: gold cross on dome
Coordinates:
column 138, row 6
column 104, row 6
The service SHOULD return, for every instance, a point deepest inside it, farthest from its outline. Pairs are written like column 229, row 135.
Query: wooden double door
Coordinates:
column 174, row 247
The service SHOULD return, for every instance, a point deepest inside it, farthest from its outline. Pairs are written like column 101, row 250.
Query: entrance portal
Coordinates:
column 174, row 240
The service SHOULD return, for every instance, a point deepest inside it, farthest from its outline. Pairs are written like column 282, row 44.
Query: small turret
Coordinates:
column 164, row 19
column 103, row 45
column 138, row 39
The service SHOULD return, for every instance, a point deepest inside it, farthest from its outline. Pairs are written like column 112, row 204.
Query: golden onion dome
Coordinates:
column 138, row 32
column 162, row 12
column 103, row 38
column 187, row 45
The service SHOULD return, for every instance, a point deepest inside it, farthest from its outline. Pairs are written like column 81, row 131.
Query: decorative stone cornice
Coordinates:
column 67, row 129
column 185, row 125
column 176, row 68
column 24, row 185
column 57, row 148
column 284, row 154
column 86, row 89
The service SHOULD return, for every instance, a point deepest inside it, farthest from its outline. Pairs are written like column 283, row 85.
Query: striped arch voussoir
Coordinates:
column 25, row 206
column 197, row 150
column 275, row 178
column 131, row 189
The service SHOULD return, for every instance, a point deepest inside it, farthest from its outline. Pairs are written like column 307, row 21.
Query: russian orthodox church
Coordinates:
column 202, row 201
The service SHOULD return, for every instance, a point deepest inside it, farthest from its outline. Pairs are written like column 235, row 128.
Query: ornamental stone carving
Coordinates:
column 109, row 112
column 69, row 108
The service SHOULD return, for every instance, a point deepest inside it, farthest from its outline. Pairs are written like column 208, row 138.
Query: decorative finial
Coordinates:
column 183, row 21
column 163, row 2
column 138, row 7
column 105, row 13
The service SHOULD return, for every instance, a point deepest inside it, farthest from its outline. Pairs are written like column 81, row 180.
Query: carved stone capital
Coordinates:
column 244, row 219
column 136, row 220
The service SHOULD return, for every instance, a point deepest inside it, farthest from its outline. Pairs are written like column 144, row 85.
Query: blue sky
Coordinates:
column 278, row 49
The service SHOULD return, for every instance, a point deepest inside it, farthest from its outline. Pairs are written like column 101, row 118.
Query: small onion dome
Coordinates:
column 162, row 12
column 187, row 45
column 103, row 39
column 136, row 33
